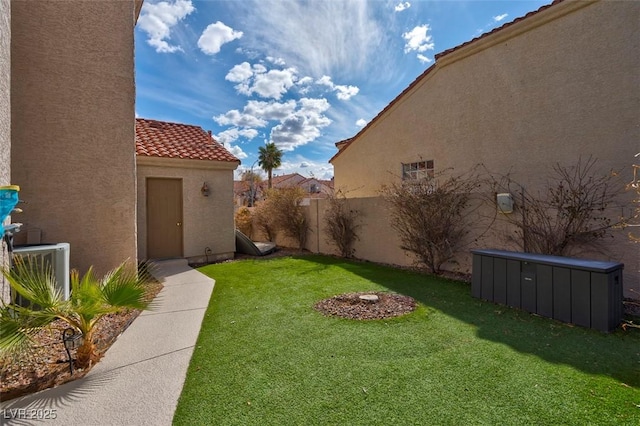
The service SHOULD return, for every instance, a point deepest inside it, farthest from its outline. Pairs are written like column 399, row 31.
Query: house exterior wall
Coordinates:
column 73, row 112
column 5, row 120
column 545, row 90
column 207, row 221
column 5, row 92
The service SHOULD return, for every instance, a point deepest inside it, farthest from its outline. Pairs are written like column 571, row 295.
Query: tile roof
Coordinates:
column 173, row 140
column 278, row 180
column 344, row 144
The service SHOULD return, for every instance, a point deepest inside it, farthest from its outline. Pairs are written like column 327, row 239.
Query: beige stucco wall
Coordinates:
column 72, row 104
column 5, row 92
column 545, row 90
column 515, row 101
column 207, row 221
column 378, row 242
column 5, row 119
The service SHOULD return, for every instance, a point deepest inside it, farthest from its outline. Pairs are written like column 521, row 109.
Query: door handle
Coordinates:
column 179, row 224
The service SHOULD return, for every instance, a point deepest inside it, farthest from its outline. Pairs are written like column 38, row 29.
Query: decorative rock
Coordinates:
column 371, row 298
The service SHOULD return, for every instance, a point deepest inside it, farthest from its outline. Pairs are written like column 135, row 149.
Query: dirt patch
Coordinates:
column 352, row 306
column 46, row 364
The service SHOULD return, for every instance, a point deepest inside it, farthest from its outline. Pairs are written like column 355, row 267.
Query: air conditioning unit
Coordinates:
column 56, row 255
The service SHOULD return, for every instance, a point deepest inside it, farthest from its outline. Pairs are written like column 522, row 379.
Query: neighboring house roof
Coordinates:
column 174, row 140
column 240, row 186
column 344, row 144
column 291, row 179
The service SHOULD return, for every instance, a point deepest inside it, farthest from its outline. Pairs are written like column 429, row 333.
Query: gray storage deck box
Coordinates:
column 578, row 291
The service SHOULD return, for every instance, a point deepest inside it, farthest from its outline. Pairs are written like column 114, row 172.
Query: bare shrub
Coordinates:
column 254, row 179
column 429, row 215
column 634, row 186
column 567, row 213
column 341, row 224
column 634, row 221
column 243, row 221
column 284, row 207
column 264, row 220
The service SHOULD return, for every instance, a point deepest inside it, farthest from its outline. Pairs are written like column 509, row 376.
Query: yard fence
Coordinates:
column 379, row 243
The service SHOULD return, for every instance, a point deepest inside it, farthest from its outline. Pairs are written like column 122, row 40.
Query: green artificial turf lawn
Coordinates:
column 266, row 357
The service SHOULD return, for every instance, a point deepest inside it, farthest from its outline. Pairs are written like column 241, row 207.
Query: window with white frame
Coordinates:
column 418, row 170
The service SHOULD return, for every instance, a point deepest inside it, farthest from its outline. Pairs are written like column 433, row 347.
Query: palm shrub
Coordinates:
column 270, row 158
column 91, row 299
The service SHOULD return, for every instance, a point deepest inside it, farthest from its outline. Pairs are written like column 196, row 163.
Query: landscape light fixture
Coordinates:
column 71, row 340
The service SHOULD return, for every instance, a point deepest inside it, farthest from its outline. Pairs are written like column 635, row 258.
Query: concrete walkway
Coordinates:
column 140, row 378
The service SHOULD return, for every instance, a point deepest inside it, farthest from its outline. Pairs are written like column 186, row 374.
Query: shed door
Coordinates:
column 164, row 218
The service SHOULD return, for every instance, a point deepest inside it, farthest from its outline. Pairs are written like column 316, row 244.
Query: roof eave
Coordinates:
column 138, row 7
column 186, row 163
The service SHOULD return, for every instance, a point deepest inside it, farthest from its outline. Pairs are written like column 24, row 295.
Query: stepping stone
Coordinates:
column 371, row 298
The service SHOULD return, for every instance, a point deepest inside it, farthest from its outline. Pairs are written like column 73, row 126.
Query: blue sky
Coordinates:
column 302, row 74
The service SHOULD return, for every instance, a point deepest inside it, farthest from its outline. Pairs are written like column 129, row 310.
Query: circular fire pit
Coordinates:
column 367, row 305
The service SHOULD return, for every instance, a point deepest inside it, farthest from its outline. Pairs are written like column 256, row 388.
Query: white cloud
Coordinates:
column 417, row 40
column 270, row 110
column 499, row 18
column 361, row 122
column 231, row 135
column 305, row 81
column 273, row 83
column 423, row 58
column 302, row 126
column 254, row 114
column 344, row 92
column 158, row 19
column 314, row 105
column 276, row 61
column 215, row 35
column 236, row 118
column 402, row 6
column 257, row 79
column 319, row 37
column 296, row 122
column 237, row 152
column 259, row 69
column 325, row 80
column 239, row 73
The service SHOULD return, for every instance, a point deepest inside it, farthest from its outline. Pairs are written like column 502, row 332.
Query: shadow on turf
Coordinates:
column 616, row 354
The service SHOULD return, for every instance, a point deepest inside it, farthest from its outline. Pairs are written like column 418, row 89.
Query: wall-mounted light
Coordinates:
column 205, row 190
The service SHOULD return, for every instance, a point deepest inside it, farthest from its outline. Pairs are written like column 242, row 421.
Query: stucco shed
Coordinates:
column 185, row 193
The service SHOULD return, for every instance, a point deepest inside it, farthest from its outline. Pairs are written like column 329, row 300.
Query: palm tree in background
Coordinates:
column 270, row 158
